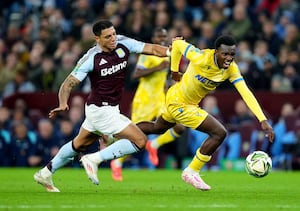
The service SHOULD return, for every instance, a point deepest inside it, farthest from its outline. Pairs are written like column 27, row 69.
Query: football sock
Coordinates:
column 65, row 154
column 120, row 161
column 116, row 150
column 199, row 161
column 169, row 136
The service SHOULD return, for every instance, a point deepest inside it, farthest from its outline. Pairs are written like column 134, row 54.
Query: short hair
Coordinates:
column 225, row 40
column 101, row 25
column 158, row 29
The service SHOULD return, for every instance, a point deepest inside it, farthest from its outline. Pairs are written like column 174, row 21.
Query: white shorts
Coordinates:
column 104, row 120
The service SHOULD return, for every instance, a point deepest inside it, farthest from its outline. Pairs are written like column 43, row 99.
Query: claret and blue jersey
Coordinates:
column 107, row 69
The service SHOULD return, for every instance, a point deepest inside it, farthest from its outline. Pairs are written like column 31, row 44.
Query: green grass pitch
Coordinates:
column 149, row 190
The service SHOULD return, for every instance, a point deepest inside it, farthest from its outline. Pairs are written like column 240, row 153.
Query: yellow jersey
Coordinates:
column 201, row 77
column 150, row 94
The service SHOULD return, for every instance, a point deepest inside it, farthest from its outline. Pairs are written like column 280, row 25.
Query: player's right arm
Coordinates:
column 63, row 94
column 182, row 48
column 79, row 73
column 141, row 69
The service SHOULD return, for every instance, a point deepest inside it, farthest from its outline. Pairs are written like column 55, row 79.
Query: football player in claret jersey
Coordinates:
column 105, row 65
column 149, row 98
column 206, row 70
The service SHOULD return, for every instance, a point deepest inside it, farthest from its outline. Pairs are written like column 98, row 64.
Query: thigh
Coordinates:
column 132, row 133
column 84, row 139
column 188, row 115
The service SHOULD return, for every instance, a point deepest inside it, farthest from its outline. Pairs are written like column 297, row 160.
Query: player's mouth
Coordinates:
column 226, row 64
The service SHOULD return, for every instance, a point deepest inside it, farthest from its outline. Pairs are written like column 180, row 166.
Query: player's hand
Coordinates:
column 164, row 64
column 176, row 76
column 177, row 38
column 57, row 110
column 267, row 128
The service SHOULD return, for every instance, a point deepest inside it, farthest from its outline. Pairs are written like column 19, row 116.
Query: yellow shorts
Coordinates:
column 178, row 112
column 146, row 111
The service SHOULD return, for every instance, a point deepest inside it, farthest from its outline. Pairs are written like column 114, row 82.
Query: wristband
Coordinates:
column 168, row 53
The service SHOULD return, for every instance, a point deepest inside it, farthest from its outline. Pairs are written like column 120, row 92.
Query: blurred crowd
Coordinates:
column 41, row 41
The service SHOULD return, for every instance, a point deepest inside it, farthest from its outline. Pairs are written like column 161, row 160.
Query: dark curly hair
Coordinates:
column 225, row 40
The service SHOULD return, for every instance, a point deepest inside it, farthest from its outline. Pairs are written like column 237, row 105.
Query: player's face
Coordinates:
column 107, row 39
column 225, row 55
column 161, row 37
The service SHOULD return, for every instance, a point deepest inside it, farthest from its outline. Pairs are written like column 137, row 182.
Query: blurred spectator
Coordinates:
column 23, row 146
column 162, row 19
column 280, row 130
column 12, row 35
column 5, row 118
column 290, row 72
column 8, row 71
column 269, row 35
column 5, row 146
column 207, row 35
column 66, row 130
column 62, row 48
column 76, row 115
column 280, row 25
column 67, row 65
column 240, row 24
column 180, row 9
column 87, row 37
column 218, row 21
column 20, row 84
column 280, row 83
column 45, row 80
column 81, row 14
column 291, row 37
column 48, row 141
column 138, row 21
column 34, row 64
column 242, row 115
column 262, row 55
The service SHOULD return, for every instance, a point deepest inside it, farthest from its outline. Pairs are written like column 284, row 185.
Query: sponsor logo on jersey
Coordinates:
column 120, row 52
column 207, row 81
column 102, row 61
column 113, row 69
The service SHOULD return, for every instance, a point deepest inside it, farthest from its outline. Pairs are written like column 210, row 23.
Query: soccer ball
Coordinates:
column 258, row 164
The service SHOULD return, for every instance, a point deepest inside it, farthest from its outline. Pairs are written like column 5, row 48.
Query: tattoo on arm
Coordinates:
column 66, row 88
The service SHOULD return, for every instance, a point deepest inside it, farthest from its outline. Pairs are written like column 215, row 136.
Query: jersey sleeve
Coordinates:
column 133, row 45
column 142, row 62
column 183, row 48
column 249, row 99
column 83, row 66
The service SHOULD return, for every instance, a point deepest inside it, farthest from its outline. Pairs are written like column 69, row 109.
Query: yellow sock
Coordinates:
column 169, row 136
column 199, row 161
column 121, row 160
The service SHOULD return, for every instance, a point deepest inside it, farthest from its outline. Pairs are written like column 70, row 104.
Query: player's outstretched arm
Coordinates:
column 64, row 94
column 254, row 106
column 156, row 50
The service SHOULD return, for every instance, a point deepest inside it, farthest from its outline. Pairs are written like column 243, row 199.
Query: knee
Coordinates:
column 141, row 141
column 179, row 129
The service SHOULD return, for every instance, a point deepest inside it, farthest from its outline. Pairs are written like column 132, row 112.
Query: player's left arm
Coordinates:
column 254, row 106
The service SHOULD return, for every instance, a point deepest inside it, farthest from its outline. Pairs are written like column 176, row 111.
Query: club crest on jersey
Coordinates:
column 120, row 52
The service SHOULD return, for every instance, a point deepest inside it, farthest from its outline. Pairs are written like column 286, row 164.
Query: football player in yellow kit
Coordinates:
column 206, row 70
column 149, row 98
